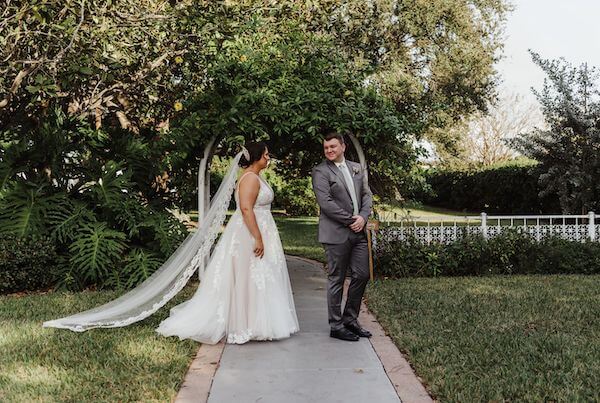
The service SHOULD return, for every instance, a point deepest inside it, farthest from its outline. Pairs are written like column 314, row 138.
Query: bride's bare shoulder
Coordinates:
column 248, row 180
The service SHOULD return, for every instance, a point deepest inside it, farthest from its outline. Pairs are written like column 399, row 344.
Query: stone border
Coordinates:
column 407, row 384
column 200, row 374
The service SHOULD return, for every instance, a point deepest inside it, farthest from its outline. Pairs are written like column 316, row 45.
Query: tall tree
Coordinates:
column 568, row 151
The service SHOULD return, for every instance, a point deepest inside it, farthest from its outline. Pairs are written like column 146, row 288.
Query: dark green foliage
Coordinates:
column 140, row 264
column 507, row 189
column 568, row 150
column 96, row 250
column 25, row 206
column 269, row 85
column 298, row 198
column 97, row 205
column 508, row 253
column 26, row 263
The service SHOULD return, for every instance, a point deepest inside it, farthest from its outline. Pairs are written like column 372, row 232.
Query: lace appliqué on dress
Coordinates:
column 239, row 338
column 261, row 271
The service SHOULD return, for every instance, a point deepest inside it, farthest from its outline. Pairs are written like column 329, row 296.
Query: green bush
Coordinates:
column 472, row 255
column 97, row 233
column 507, row 189
column 298, row 198
column 26, row 264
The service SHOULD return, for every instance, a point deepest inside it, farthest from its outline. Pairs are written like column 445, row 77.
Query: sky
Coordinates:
column 552, row 28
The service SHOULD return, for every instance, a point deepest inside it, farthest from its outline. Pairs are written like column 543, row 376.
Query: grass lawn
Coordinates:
column 299, row 237
column 504, row 338
column 123, row 364
column 423, row 211
column 394, row 215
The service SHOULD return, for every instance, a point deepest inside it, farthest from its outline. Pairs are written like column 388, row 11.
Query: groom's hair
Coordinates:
column 334, row 135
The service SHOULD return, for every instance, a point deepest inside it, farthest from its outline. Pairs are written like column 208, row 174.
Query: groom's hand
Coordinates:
column 358, row 224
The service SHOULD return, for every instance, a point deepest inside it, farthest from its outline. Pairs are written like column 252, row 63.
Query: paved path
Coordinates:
column 309, row 366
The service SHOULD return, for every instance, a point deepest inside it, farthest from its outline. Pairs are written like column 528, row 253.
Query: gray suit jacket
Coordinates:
column 334, row 200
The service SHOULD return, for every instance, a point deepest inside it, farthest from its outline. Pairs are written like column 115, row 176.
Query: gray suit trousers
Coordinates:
column 353, row 254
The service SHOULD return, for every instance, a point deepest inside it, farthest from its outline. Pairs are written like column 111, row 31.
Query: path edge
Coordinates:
column 200, row 374
column 399, row 371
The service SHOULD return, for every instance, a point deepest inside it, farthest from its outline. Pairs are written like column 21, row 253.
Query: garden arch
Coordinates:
column 204, row 174
column 204, row 170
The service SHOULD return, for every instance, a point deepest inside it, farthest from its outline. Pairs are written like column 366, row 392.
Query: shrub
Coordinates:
column 26, row 264
column 93, row 231
column 472, row 255
column 297, row 198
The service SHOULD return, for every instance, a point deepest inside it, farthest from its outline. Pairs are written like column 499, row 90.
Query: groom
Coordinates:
column 345, row 202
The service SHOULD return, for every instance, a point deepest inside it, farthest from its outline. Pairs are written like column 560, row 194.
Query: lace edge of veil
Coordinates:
column 220, row 209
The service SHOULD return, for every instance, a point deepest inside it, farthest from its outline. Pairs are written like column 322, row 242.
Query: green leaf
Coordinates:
column 95, row 251
column 86, row 70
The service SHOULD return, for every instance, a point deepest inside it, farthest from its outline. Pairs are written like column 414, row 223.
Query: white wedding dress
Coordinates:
column 241, row 297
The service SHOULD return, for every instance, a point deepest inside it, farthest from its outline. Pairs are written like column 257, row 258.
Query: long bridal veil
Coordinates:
column 169, row 279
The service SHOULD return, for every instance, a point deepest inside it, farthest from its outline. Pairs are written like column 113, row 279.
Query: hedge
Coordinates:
column 508, row 253
column 509, row 189
column 26, row 264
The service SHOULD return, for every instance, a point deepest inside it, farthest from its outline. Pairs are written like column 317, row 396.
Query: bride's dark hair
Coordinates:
column 255, row 152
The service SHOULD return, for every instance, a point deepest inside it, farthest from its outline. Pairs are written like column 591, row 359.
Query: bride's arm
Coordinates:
column 247, row 194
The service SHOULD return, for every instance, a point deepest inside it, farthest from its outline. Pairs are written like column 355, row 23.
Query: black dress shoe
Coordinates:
column 343, row 334
column 359, row 331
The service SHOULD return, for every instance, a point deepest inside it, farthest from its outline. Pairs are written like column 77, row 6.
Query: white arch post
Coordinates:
column 361, row 156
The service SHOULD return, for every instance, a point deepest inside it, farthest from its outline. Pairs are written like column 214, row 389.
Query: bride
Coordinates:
column 245, row 291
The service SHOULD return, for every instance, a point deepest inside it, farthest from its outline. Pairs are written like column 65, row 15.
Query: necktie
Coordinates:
column 350, row 184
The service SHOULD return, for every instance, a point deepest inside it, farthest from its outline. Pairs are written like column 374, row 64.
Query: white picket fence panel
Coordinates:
column 447, row 229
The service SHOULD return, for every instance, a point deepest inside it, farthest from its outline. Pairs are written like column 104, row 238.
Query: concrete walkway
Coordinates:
column 309, row 366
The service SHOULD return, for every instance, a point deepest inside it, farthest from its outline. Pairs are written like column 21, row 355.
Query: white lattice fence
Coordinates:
column 447, row 229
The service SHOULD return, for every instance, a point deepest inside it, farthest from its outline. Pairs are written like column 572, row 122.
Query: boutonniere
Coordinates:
column 355, row 170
